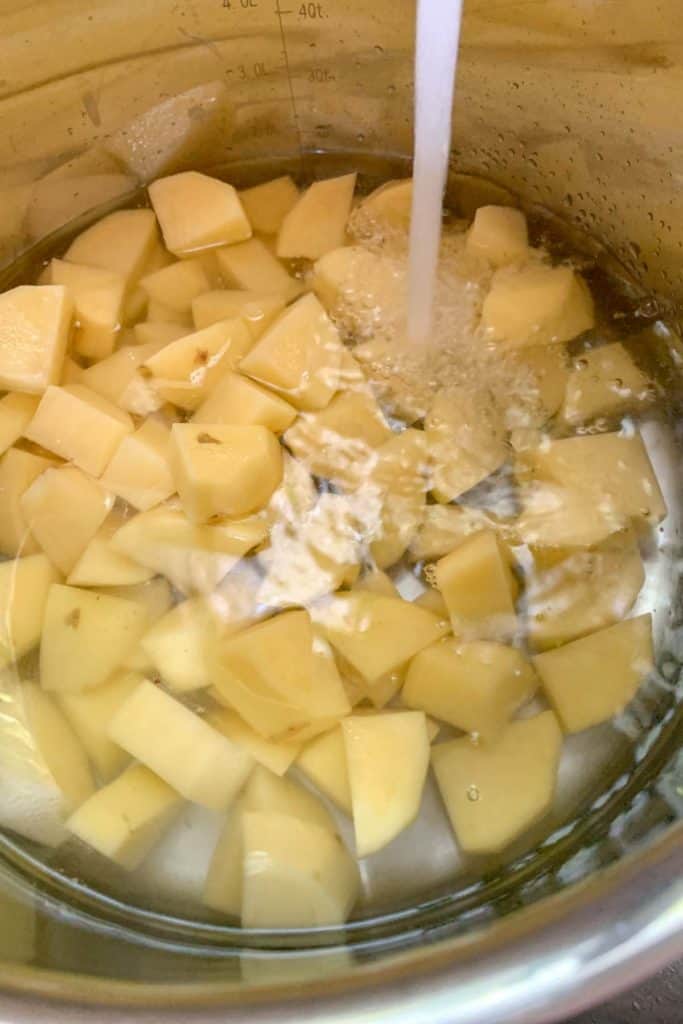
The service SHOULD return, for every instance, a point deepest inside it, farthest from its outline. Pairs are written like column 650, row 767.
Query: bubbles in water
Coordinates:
column 473, row 793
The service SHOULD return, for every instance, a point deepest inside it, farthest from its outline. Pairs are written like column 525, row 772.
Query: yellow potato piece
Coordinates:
column 175, row 287
column 444, row 527
column 223, row 885
column 376, row 634
column 196, row 211
column 398, row 478
column 256, row 309
column 117, row 378
column 590, row 679
column 159, row 313
column 16, row 412
column 123, row 241
column 153, row 598
column 548, row 373
column 177, row 645
column 24, row 587
column 536, row 305
column 604, row 382
column 477, row 687
column 252, row 266
column 299, row 356
column 34, row 330
column 128, row 817
column 58, row 745
column 275, row 755
column 237, row 400
column 267, row 205
column 224, row 470
column 266, row 792
column 98, row 305
column 101, row 565
column 353, row 277
column 389, row 206
column 89, row 714
column 387, row 757
column 86, row 636
column 64, row 508
column 323, row 762
column 79, row 425
column 140, row 468
column 432, row 601
column 479, row 588
column 498, row 234
column 493, row 794
column 465, row 438
column 159, row 333
column 18, row 470
column 317, row 223
column 176, row 744
column 376, row 582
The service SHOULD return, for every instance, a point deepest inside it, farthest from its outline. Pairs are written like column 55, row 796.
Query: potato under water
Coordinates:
column 272, row 573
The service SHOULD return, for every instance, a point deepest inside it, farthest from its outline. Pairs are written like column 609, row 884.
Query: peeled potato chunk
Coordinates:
column 24, row 587
column 176, row 286
column 376, row 634
column 177, row 645
column 537, row 305
column 323, row 762
column 466, row 442
column 89, row 714
column 251, row 265
column 125, row 819
column 548, row 372
column 18, row 470
column 444, row 527
column 477, row 687
column 590, row 679
column 387, row 756
column 317, row 223
column 479, row 587
column 389, row 206
column 224, row 470
column 196, row 211
column 58, row 745
column 398, row 480
column 267, row 205
column 79, row 425
column 117, row 378
column 236, row 399
column 64, row 508
column 266, row 792
column 122, row 241
column 357, row 275
column 180, row 747
column 299, row 356
column 101, row 565
column 494, row 793
column 16, row 412
column 140, row 469
column 98, row 305
column 498, row 234
column 256, row 308
column 34, row 331
column 604, row 382
column 86, row 636
column 275, row 755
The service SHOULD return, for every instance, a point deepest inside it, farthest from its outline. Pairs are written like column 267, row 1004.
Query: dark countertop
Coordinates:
column 657, row 1001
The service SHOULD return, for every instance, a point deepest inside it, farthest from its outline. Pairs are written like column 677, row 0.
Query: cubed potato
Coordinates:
column 160, row 333
column 122, row 241
column 267, row 205
column 177, row 645
column 24, row 587
column 64, row 508
column 582, row 591
column 604, row 382
column 71, row 372
column 224, row 470
column 432, row 600
column 577, row 491
column 299, row 356
column 140, row 469
column 223, row 885
column 479, row 587
column 477, row 687
column 376, row 634
column 125, row 819
column 98, row 305
column 494, row 793
column 295, row 874
column 465, row 436
column 114, row 378
column 376, row 582
column 387, row 757
column 338, row 442
column 153, row 598
column 548, row 372
column 398, row 478
column 359, row 279
column 194, row 558
column 18, row 470
column 275, row 755
column 16, row 412
column 590, row 679
column 58, row 745
column 252, row 266
column 185, row 371
column 235, row 399
column 536, row 305
column 444, row 527
column 89, row 714
column 86, row 636
column 176, row 744
column 267, row 792
column 278, row 676
column 256, row 309
column 379, row 693
column 323, row 762
column 176, row 286
column 35, row 321
column 317, row 223
column 159, row 313
column 498, row 234
column 79, row 425
column 101, row 565
column 134, row 306
column 196, row 211
column 388, row 208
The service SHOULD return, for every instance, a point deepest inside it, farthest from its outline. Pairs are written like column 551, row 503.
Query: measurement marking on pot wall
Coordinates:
column 292, row 99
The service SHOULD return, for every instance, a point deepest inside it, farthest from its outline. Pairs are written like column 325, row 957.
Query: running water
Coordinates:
column 436, row 58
